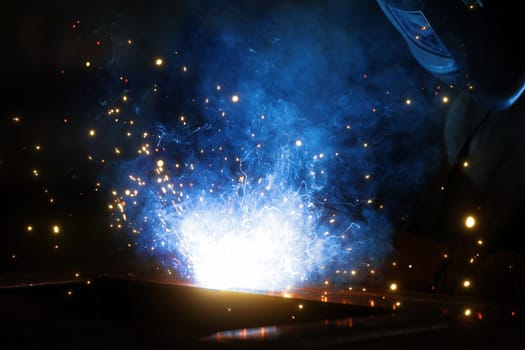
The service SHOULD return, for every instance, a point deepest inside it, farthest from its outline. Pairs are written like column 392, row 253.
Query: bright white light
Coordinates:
column 258, row 234
column 470, row 221
column 249, row 247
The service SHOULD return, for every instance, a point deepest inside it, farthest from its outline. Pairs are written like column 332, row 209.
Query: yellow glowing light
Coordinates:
column 29, row 228
column 466, row 283
column 480, row 242
column 159, row 62
column 235, row 98
column 56, row 229
column 77, row 275
column 92, row 132
column 465, row 164
column 445, row 99
column 160, row 163
column 467, row 312
column 124, row 98
column 88, row 64
column 301, row 306
column 470, row 221
column 393, row 286
column 37, row 147
column 184, row 69
column 408, row 101
column 16, row 119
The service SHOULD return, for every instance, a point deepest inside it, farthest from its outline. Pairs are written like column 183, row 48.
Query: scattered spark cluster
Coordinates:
column 253, row 166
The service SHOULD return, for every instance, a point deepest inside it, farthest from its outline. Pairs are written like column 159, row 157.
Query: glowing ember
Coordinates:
column 470, row 221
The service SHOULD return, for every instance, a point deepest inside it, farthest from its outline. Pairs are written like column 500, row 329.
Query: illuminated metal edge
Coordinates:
column 6, row 285
column 256, row 333
column 322, row 333
column 420, row 303
column 334, row 294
